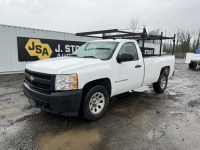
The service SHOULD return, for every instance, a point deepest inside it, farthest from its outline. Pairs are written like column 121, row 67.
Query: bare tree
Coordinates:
column 134, row 23
column 184, row 41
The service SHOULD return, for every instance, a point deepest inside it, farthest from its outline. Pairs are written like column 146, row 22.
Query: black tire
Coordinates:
column 190, row 65
column 89, row 105
column 159, row 86
column 194, row 65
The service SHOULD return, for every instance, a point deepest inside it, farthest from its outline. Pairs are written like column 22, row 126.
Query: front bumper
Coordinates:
column 66, row 103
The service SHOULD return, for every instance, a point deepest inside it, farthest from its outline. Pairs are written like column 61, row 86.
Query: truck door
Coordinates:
column 128, row 75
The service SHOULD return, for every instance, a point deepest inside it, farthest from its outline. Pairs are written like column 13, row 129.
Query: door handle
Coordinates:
column 138, row 66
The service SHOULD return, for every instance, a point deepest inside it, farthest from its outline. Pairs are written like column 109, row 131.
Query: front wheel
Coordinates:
column 161, row 84
column 95, row 103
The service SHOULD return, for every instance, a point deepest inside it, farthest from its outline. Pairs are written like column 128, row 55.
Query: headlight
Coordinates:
column 66, row 82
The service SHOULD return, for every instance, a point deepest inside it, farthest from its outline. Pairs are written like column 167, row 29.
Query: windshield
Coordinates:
column 99, row 50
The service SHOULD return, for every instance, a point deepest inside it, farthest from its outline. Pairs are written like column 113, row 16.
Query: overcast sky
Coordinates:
column 87, row 15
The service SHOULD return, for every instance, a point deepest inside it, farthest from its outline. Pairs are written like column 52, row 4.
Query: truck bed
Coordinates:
column 153, row 66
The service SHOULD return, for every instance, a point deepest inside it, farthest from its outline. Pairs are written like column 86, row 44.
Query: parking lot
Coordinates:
column 140, row 120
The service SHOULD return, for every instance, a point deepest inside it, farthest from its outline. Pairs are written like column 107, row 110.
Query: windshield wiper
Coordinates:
column 74, row 55
column 103, row 48
column 98, row 48
column 89, row 57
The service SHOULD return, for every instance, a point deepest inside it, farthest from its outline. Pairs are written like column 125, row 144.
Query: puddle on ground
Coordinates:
column 121, row 110
column 143, row 116
column 146, row 120
column 78, row 139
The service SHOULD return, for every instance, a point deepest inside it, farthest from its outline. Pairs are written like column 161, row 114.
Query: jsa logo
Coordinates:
column 36, row 48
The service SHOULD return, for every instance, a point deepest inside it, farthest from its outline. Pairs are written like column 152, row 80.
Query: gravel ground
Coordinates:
column 140, row 120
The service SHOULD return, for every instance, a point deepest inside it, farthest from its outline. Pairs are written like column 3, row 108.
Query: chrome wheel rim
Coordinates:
column 163, row 82
column 97, row 103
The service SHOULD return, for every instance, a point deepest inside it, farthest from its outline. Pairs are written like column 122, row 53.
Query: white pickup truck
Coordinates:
column 98, row 70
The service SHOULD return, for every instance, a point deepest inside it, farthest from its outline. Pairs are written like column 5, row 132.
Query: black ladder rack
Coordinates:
column 120, row 34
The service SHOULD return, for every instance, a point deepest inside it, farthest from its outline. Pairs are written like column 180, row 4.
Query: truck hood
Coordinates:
column 61, row 64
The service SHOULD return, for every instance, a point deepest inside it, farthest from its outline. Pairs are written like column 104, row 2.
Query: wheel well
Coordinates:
column 104, row 81
column 165, row 69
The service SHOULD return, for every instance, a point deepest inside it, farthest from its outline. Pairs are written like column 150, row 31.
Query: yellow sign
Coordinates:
column 36, row 48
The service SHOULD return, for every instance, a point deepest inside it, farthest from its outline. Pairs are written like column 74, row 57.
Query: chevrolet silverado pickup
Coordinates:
column 98, row 70
column 83, row 82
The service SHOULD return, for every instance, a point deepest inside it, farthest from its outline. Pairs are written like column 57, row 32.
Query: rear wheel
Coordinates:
column 193, row 65
column 95, row 103
column 161, row 84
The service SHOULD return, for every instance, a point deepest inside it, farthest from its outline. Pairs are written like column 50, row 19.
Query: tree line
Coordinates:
column 186, row 41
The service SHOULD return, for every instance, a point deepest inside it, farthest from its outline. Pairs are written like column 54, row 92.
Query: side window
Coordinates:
column 129, row 48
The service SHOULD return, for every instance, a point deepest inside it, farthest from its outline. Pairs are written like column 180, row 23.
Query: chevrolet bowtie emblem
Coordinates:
column 32, row 78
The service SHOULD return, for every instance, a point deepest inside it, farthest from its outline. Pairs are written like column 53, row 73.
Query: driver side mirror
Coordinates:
column 124, row 57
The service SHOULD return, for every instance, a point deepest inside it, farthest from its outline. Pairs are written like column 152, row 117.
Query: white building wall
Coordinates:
column 8, row 44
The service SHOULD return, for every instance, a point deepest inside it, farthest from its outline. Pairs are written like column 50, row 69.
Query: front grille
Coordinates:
column 39, row 81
